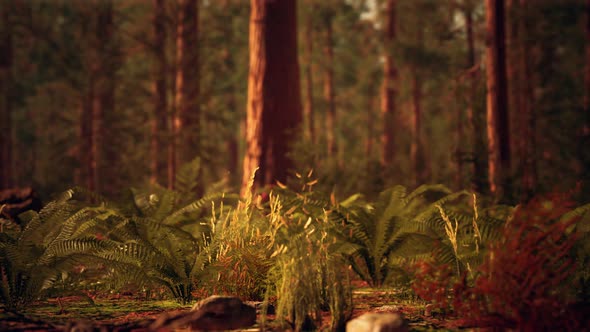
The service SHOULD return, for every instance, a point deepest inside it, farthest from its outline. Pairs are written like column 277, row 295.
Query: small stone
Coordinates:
column 259, row 305
column 378, row 322
column 387, row 308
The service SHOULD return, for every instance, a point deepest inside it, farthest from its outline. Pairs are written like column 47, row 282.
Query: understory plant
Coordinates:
column 237, row 258
column 381, row 236
column 310, row 275
column 52, row 242
column 525, row 280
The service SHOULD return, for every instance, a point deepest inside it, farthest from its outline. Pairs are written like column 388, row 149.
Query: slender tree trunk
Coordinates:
column 6, row 83
column 159, row 119
column 513, row 55
column 388, row 88
column 476, row 126
column 308, row 109
column 584, row 157
column 105, row 153
column 497, row 103
column 329, row 88
column 173, row 122
column 416, row 149
column 370, row 142
column 586, row 125
column 459, row 141
column 527, row 118
column 274, row 112
column 187, row 82
column 416, row 145
column 87, row 149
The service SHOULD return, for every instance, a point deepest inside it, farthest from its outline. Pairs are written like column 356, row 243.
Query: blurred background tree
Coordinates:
column 101, row 94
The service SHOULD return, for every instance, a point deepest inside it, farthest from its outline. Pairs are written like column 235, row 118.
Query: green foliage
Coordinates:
column 161, row 244
column 237, row 257
column 309, row 274
column 523, row 282
column 394, row 228
column 49, row 243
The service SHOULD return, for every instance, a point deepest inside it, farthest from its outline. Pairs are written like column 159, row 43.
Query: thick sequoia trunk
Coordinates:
column 497, row 104
column 6, row 171
column 308, row 109
column 187, row 82
column 274, row 103
column 159, row 118
column 388, row 88
column 329, row 87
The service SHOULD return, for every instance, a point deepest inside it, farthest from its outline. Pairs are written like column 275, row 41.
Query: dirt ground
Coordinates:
column 130, row 313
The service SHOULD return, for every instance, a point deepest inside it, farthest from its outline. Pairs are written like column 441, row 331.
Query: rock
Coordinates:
column 387, row 308
column 258, row 305
column 215, row 313
column 18, row 200
column 378, row 322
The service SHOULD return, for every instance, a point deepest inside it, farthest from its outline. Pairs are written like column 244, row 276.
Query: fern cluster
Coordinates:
column 295, row 247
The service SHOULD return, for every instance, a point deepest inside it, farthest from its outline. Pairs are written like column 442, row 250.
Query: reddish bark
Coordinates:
column 187, row 82
column 583, row 157
column 329, row 87
column 497, row 103
column 476, row 126
column 106, row 155
column 6, row 162
column 86, row 149
column 308, row 109
column 416, row 149
column 159, row 120
column 274, row 103
column 388, row 88
column 527, row 113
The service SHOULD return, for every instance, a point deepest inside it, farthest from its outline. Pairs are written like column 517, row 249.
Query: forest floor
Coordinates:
column 124, row 313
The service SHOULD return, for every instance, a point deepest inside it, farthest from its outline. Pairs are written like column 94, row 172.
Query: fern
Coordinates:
column 32, row 258
column 396, row 226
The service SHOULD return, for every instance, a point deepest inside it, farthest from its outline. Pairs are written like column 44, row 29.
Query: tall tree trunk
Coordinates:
column 159, row 119
column 308, row 108
column 459, row 141
column 187, row 82
column 274, row 103
column 173, row 121
column 329, row 87
column 513, row 55
column 86, row 149
column 416, row 157
column 106, row 153
column 6, row 162
column 388, row 88
column 585, row 139
column 476, row 126
column 528, row 118
column 497, row 103
column 416, row 149
column 370, row 142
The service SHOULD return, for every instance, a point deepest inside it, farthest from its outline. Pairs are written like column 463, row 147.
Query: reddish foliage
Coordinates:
column 524, row 279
